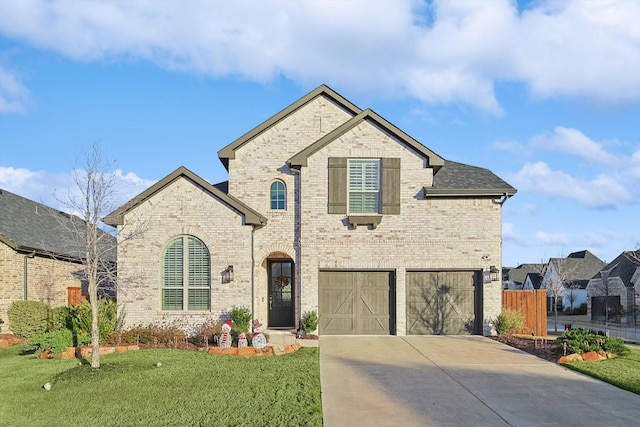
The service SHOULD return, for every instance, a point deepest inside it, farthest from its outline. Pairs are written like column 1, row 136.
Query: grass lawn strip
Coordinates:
column 622, row 372
column 190, row 388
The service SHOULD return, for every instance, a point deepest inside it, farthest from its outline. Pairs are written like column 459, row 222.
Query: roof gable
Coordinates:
column 28, row 226
column 228, row 152
column 300, row 159
column 623, row 267
column 578, row 266
column 251, row 217
column 458, row 179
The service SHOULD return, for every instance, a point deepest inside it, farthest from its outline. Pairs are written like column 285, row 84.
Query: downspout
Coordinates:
column 253, row 262
column 297, row 224
column 26, row 273
column 501, row 200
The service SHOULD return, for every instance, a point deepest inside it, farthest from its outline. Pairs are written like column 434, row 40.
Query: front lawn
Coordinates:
column 189, row 388
column 622, row 372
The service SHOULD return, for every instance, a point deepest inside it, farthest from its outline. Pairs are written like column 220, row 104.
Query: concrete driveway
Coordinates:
column 458, row 381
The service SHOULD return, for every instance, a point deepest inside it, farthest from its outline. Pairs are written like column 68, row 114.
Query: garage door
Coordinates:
column 440, row 303
column 355, row 302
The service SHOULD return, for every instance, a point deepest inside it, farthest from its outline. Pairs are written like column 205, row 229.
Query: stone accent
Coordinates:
column 269, row 350
column 592, row 356
column 7, row 340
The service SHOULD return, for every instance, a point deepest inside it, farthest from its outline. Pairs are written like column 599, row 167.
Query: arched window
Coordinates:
column 278, row 195
column 186, row 275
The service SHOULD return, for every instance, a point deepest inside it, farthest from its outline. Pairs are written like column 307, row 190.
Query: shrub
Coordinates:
column 108, row 320
column 28, row 318
column 241, row 317
column 162, row 334
column 59, row 318
column 508, row 320
column 583, row 341
column 206, row 332
column 309, row 321
column 56, row 342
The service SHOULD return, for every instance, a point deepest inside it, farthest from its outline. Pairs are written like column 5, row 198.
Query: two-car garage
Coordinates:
column 363, row 302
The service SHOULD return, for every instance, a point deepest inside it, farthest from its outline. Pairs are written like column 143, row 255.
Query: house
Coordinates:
column 532, row 282
column 568, row 277
column 41, row 254
column 515, row 277
column 615, row 289
column 328, row 207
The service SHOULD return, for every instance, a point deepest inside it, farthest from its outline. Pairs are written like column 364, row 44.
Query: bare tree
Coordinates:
column 558, row 280
column 95, row 195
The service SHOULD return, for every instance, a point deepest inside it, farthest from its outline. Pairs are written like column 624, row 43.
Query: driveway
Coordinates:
column 458, row 381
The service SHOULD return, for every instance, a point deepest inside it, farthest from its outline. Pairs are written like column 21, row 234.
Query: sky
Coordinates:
column 546, row 94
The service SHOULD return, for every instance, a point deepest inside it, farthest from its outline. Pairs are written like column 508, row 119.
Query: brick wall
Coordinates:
column 48, row 280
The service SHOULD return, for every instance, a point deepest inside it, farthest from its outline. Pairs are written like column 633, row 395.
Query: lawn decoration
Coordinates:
column 225, row 338
column 242, row 340
column 258, row 338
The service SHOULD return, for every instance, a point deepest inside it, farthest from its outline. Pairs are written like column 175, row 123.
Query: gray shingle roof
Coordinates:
column 519, row 274
column 28, row 226
column 622, row 267
column 458, row 178
column 578, row 267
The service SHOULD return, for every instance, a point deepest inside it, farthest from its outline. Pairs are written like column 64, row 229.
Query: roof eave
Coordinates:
column 228, row 152
column 468, row 192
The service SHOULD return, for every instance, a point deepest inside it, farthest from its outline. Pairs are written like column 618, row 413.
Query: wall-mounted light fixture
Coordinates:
column 495, row 273
column 227, row 274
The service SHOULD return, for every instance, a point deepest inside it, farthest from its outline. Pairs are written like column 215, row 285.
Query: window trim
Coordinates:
column 271, row 195
column 186, row 279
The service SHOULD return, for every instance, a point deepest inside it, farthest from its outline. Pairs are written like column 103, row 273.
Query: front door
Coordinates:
column 281, row 296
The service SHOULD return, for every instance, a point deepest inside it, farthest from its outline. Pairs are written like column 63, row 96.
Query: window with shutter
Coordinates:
column 364, row 186
column 186, row 275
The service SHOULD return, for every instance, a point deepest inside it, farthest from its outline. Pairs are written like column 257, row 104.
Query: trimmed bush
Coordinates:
column 241, row 317
column 28, row 318
column 508, row 320
column 80, row 319
column 56, row 342
column 309, row 321
column 582, row 341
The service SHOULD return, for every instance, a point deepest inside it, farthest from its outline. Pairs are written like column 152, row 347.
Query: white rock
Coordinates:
column 47, row 386
column 159, row 364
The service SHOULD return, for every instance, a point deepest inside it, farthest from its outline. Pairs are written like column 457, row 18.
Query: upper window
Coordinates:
column 278, row 195
column 186, row 275
column 364, row 186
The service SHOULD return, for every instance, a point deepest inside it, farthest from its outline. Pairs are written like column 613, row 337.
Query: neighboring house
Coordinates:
column 330, row 208
column 516, row 277
column 616, row 289
column 569, row 277
column 532, row 282
column 41, row 254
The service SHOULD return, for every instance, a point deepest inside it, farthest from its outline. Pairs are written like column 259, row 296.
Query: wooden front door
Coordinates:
column 281, row 294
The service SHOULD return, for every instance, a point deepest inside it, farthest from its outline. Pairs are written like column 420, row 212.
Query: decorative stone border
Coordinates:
column 269, row 350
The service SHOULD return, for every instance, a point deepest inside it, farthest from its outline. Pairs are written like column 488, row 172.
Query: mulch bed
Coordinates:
column 529, row 345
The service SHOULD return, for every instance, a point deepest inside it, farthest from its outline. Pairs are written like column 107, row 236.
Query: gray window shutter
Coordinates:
column 390, row 186
column 337, row 185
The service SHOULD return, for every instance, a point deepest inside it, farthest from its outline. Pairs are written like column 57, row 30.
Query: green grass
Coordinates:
column 190, row 388
column 622, row 372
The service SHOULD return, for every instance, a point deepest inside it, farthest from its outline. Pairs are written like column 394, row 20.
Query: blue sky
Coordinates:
column 546, row 94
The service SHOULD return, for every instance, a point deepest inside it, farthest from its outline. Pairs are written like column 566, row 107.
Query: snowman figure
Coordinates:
column 242, row 340
column 225, row 337
column 258, row 339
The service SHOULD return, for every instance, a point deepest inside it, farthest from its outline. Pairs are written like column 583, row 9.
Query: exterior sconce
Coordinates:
column 227, row 274
column 495, row 273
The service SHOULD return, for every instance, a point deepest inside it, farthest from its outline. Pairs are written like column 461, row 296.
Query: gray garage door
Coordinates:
column 355, row 302
column 441, row 303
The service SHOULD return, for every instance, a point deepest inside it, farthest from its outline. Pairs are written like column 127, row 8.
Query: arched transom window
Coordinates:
column 186, row 275
column 278, row 194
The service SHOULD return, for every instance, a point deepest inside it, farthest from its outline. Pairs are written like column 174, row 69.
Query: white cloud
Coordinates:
column 55, row 189
column 511, row 146
column 13, row 95
column 574, row 142
column 440, row 53
column 551, row 238
column 602, row 191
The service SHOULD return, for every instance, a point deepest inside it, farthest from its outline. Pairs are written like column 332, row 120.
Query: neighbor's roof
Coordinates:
column 578, row 267
column 624, row 267
column 300, row 159
column 228, row 152
column 535, row 279
column 28, row 226
column 519, row 274
column 251, row 217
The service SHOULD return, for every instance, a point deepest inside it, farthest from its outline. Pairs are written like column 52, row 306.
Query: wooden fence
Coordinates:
column 74, row 295
column 533, row 305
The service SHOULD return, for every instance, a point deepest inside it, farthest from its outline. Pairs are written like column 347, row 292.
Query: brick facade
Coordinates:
column 443, row 233
column 47, row 279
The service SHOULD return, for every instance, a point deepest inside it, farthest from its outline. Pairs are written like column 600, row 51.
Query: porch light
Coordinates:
column 227, row 274
column 494, row 273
